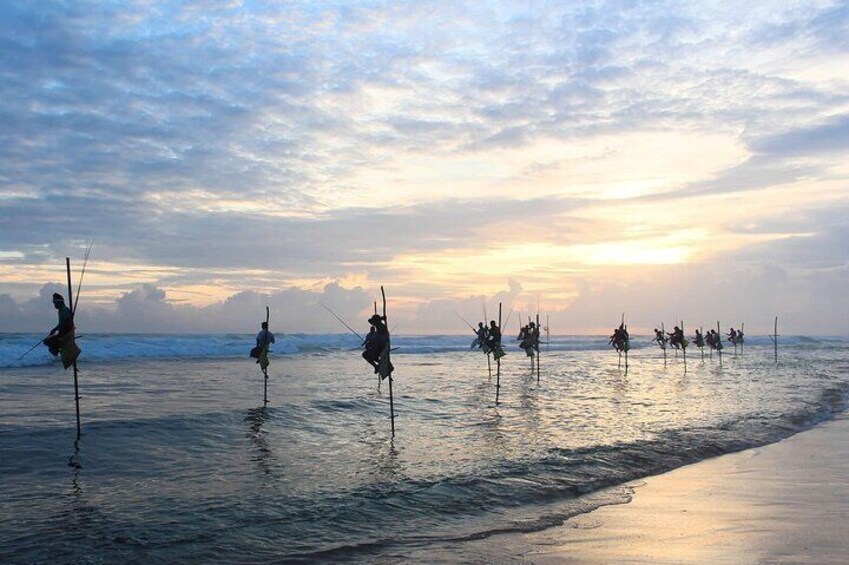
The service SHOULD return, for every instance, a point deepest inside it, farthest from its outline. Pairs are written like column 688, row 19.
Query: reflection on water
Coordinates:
column 178, row 464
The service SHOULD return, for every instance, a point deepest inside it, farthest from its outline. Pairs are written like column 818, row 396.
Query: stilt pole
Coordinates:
column 388, row 361
column 684, row 348
column 719, row 342
column 619, row 351
column 498, row 363
column 662, row 343
column 774, row 337
column 489, row 364
column 627, row 343
column 265, row 352
column 379, row 379
column 539, row 349
column 76, row 380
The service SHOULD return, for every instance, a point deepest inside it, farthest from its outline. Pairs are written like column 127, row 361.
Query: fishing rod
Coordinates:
column 352, row 330
column 467, row 322
column 82, row 274
column 30, row 350
column 510, row 313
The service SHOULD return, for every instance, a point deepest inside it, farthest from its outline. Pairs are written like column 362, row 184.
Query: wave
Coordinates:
column 108, row 347
column 545, row 492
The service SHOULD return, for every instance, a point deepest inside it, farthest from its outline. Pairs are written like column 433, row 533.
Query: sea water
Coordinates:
column 180, row 461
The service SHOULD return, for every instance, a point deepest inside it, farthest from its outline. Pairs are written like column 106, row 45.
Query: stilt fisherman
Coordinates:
column 264, row 339
column 375, row 347
column 63, row 330
column 699, row 339
column 620, row 339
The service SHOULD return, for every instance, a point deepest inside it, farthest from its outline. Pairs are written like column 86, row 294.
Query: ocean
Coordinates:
column 180, row 462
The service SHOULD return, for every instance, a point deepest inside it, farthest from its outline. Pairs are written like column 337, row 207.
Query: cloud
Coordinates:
column 830, row 137
column 261, row 147
column 147, row 309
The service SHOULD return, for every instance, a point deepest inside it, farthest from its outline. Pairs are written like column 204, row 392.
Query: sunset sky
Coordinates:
column 666, row 159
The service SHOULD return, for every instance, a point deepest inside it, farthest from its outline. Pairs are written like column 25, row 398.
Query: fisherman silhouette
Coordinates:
column 676, row 338
column 699, row 339
column 732, row 336
column 57, row 335
column 263, row 339
column 535, row 336
column 526, row 338
column 494, row 337
column 619, row 339
column 482, row 334
column 374, row 347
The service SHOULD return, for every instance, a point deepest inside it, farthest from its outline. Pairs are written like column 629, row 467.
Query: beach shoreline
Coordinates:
column 786, row 502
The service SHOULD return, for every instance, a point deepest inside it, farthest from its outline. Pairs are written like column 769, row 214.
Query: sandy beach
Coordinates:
column 783, row 503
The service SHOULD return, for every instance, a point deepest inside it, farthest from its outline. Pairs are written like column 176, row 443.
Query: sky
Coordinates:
column 670, row 160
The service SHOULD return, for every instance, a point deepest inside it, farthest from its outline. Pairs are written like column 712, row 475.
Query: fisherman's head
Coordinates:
column 58, row 301
column 265, row 325
column 532, row 325
column 480, row 324
column 492, row 323
column 374, row 320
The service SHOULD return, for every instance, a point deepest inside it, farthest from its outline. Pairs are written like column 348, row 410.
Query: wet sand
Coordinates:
column 783, row 503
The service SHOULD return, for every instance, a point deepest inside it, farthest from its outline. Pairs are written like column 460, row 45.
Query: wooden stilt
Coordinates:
column 498, row 363
column 536, row 341
column 719, row 342
column 388, row 361
column 379, row 379
column 627, row 342
column 684, row 348
column 663, row 344
column 774, row 338
column 264, row 353
column 76, row 380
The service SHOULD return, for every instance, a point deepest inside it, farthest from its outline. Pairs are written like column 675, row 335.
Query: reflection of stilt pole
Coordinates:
column 76, row 382
column 498, row 363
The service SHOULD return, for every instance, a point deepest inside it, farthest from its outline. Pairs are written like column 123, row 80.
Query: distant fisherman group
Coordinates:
column 377, row 346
